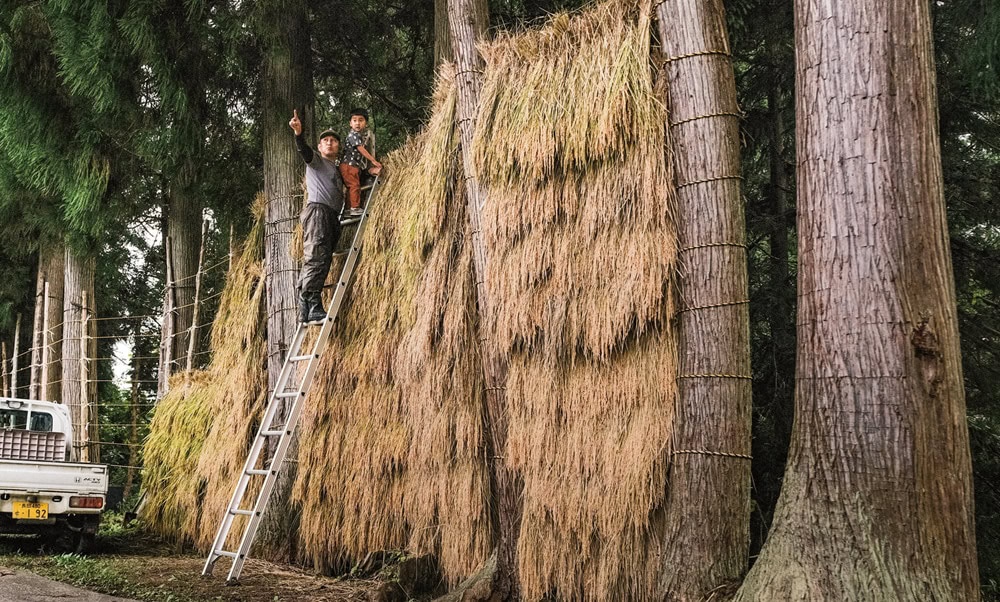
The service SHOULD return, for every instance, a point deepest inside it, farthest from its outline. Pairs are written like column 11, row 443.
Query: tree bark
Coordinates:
column 79, row 277
column 286, row 84
column 876, row 503
column 51, row 269
column 468, row 21
column 184, row 229
column 51, row 259
column 707, row 516
column 442, row 34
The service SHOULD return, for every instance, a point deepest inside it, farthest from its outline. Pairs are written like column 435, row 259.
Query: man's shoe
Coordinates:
column 304, row 306
column 316, row 312
column 353, row 212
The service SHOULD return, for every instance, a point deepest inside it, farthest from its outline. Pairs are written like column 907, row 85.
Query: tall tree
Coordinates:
column 79, row 283
column 286, row 84
column 468, row 21
column 709, row 491
column 47, row 348
column 56, row 148
column 877, row 497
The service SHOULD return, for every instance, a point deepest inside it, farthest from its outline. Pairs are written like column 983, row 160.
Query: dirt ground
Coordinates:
column 135, row 565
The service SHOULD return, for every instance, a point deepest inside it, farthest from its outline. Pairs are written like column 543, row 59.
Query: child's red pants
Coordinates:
column 352, row 179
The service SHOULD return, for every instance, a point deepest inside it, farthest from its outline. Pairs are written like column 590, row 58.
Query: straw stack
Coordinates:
column 201, row 432
column 391, row 448
column 581, row 241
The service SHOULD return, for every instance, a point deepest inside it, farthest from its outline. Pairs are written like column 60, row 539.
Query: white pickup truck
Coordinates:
column 40, row 491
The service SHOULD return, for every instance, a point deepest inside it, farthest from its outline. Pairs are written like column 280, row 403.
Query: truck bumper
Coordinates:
column 77, row 523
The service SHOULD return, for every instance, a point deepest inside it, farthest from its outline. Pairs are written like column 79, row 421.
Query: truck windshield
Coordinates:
column 18, row 419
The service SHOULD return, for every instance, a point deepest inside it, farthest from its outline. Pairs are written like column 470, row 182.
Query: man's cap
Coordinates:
column 360, row 111
column 329, row 133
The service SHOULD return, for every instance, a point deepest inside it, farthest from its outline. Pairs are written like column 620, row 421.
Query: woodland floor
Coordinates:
column 132, row 564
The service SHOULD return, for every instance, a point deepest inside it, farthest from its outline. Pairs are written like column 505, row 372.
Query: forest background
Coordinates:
column 123, row 120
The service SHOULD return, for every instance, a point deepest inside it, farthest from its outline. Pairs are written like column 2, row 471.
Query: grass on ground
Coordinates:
column 130, row 563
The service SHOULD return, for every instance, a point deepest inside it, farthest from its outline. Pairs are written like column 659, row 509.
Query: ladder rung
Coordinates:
column 242, row 512
column 367, row 187
column 226, row 553
column 302, row 358
column 350, row 221
column 257, row 471
column 272, row 434
column 287, row 394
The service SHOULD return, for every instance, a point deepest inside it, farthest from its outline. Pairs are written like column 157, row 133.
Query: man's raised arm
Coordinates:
column 300, row 144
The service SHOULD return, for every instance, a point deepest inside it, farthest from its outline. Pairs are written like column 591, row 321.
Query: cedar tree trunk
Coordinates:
column 468, row 20
column 51, row 258
column 876, row 503
column 708, row 510
column 184, row 230
column 79, row 277
column 286, row 84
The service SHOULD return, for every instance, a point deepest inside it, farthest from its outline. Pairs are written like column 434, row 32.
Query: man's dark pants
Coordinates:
column 320, row 231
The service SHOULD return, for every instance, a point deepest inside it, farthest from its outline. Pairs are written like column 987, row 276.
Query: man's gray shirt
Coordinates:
column 323, row 180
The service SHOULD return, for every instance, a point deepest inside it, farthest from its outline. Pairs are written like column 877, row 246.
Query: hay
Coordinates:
column 391, row 448
column 581, row 240
column 201, row 432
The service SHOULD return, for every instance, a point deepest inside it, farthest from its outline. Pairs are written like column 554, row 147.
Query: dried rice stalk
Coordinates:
column 200, row 435
column 581, row 240
column 391, row 448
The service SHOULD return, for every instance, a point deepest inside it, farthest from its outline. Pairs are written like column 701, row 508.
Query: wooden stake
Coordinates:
column 3, row 369
column 13, row 360
column 84, row 377
column 193, row 331
column 167, row 337
column 36, row 348
column 133, row 438
column 43, row 384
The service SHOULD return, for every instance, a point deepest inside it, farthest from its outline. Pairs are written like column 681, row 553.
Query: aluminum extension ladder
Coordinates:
column 285, row 389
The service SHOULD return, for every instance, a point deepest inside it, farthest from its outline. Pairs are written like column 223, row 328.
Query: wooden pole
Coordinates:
column 13, row 360
column 133, row 438
column 34, row 377
column 193, row 332
column 43, row 384
column 84, row 377
column 167, row 336
column 3, row 363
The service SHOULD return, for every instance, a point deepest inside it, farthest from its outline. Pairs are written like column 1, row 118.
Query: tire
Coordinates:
column 83, row 542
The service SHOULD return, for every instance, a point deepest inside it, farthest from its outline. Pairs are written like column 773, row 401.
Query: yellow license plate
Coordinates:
column 31, row 510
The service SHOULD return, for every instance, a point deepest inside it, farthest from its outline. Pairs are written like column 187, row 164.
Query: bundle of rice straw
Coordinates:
column 582, row 248
column 201, row 432
column 391, row 451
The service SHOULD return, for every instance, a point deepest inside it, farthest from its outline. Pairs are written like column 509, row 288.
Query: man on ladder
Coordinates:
column 320, row 218
column 322, row 225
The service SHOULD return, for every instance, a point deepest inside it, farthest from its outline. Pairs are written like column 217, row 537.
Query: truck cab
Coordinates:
column 42, row 492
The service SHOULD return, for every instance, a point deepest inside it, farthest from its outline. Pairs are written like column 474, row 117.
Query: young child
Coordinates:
column 357, row 158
